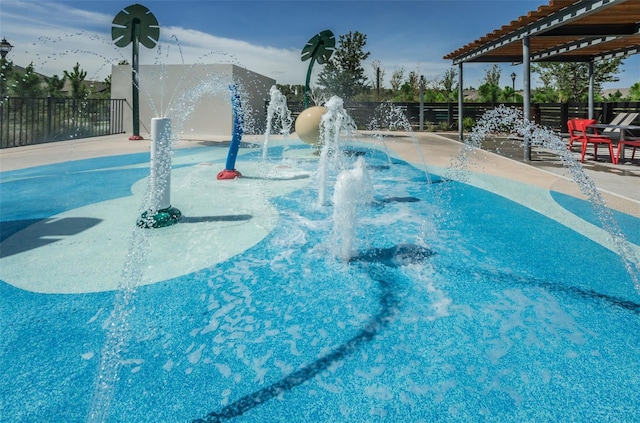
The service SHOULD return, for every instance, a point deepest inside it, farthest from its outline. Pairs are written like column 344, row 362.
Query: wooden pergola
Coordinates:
column 562, row 31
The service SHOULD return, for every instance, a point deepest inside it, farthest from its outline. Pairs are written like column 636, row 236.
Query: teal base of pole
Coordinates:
column 162, row 218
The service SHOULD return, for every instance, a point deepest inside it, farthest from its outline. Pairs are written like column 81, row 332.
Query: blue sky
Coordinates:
column 265, row 36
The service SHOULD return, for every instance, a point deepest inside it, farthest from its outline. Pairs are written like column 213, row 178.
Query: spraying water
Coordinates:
column 118, row 334
column 503, row 119
column 118, row 328
column 277, row 109
column 334, row 122
column 390, row 117
column 352, row 189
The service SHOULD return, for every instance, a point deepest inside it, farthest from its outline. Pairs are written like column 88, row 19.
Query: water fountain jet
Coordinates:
column 160, row 213
column 279, row 111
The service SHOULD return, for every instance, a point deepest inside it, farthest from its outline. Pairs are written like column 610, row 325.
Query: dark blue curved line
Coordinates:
column 388, row 303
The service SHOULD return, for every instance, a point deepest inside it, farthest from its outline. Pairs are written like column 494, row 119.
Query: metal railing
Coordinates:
column 27, row 121
column 445, row 115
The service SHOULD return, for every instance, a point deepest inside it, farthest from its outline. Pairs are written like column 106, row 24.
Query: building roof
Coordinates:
column 562, row 31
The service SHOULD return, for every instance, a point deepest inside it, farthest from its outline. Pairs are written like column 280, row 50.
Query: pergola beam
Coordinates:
column 592, row 30
column 572, row 46
column 551, row 22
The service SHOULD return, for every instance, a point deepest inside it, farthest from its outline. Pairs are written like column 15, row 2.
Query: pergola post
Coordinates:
column 460, row 100
column 592, row 80
column 526, row 82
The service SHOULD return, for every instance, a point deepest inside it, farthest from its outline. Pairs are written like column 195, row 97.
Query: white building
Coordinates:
column 196, row 98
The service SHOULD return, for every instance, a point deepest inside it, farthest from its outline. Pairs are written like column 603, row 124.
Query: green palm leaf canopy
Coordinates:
column 319, row 49
column 132, row 21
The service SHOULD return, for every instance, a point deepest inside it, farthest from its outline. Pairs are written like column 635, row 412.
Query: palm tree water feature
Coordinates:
column 318, row 49
column 451, row 303
column 135, row 25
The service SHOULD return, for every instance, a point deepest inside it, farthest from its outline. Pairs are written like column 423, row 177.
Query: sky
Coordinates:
column 267, row 37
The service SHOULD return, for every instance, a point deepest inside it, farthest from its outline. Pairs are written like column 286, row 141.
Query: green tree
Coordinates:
column 406, row 93
column 410, row 89
column 570, row 79
column 100, row 90
column 293, row 93
column 396, row 78
column 6, row 75
column 28, row 84
column 617, row 96
column 449, row 84
column 76, row 78
column 634, row 92
column 544, row 95
column 490, row 90
column 378, row 77
column 343, row 75
column 55, row 85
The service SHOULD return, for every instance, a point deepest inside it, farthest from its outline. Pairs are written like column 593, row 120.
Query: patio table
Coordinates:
column 623, row 129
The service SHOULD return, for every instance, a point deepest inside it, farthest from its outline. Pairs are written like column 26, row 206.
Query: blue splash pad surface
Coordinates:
column 493, row 318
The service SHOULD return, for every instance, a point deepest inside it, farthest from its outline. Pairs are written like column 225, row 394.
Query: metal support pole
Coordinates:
column 526, row 86
column 421, row 102
column 592, row 80
column 460, row 100
column 135, row 87
column 378, row 83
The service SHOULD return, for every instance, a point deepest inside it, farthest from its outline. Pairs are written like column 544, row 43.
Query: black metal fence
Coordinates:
column 445, row 115
column 26, row 121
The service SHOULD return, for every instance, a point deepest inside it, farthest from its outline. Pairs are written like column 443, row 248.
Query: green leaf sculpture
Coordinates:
column 135, row 22
column 133, row 25
column 319, row 49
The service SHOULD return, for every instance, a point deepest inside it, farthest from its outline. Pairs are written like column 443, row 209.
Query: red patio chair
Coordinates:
column 574, row 134
column 594, row 138
column 634, row 142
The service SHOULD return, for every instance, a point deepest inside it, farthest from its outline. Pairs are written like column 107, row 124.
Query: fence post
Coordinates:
column 49, row 114
column 564, row 117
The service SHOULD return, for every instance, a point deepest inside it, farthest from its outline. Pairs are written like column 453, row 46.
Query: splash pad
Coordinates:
column 449, row 302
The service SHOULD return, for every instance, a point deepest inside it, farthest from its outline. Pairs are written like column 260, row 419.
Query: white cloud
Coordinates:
column 51, row 37
column 192, row 46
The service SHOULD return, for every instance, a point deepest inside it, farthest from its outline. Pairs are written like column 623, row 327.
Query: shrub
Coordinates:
column 468, row 123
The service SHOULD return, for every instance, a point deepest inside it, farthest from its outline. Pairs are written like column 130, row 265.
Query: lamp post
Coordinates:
column 5, row 48
column 422, row 102
column 513, row 86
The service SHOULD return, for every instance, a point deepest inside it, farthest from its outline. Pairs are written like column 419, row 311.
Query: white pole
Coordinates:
column 160, row 213
column 161, row 163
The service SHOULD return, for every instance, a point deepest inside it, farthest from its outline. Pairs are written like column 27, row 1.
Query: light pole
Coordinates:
column 513, row 86
column 422, row 102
